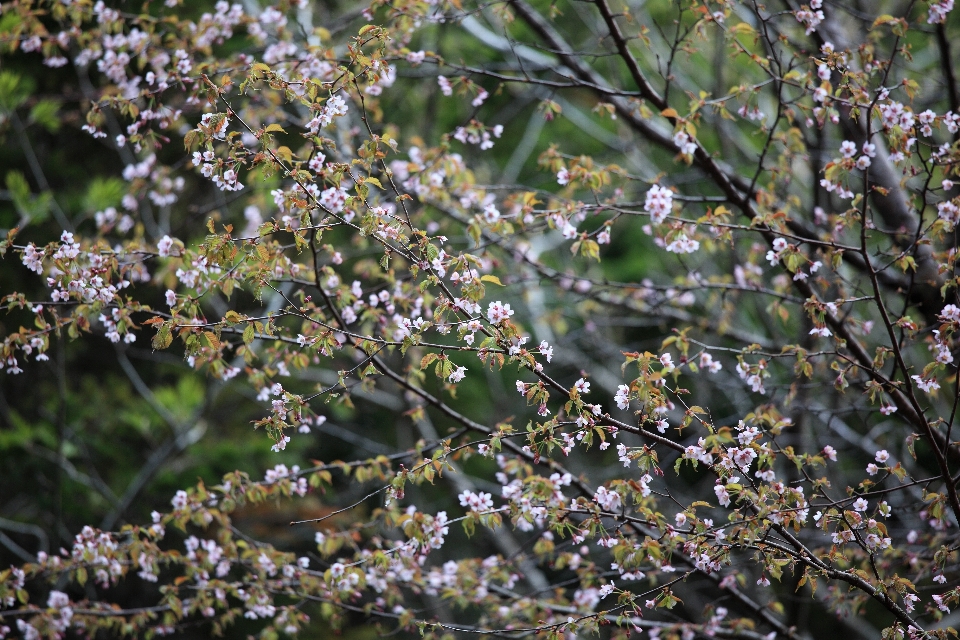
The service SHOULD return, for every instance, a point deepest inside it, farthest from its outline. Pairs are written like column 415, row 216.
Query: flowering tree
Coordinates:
column 563, row 318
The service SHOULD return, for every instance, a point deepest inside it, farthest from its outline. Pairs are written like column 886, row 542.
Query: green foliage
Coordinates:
column 33, row 208
column 45, row 112
column 103, row 192
column 14, row 90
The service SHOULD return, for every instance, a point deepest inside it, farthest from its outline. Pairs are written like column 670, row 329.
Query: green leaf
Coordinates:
column 191, row 140
column 885, row 18
column 427, row 360
column 18, row 187
column 103, row 193
column 212, row 339
column 164, row 338
column 14, row 90
column 35, row 209
column 44, row 113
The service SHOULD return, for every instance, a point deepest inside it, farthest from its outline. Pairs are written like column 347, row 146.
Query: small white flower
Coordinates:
column 164, row 246
column 582, row 386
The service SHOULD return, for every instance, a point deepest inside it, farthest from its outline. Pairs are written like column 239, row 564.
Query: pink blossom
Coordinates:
column 659, row 203
column 608, row 500
column 622, row 397
column 950, row 313
column 164, row 246
column 683, row 141
column 926, row 384
column 498, row 312
column 582, row 386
